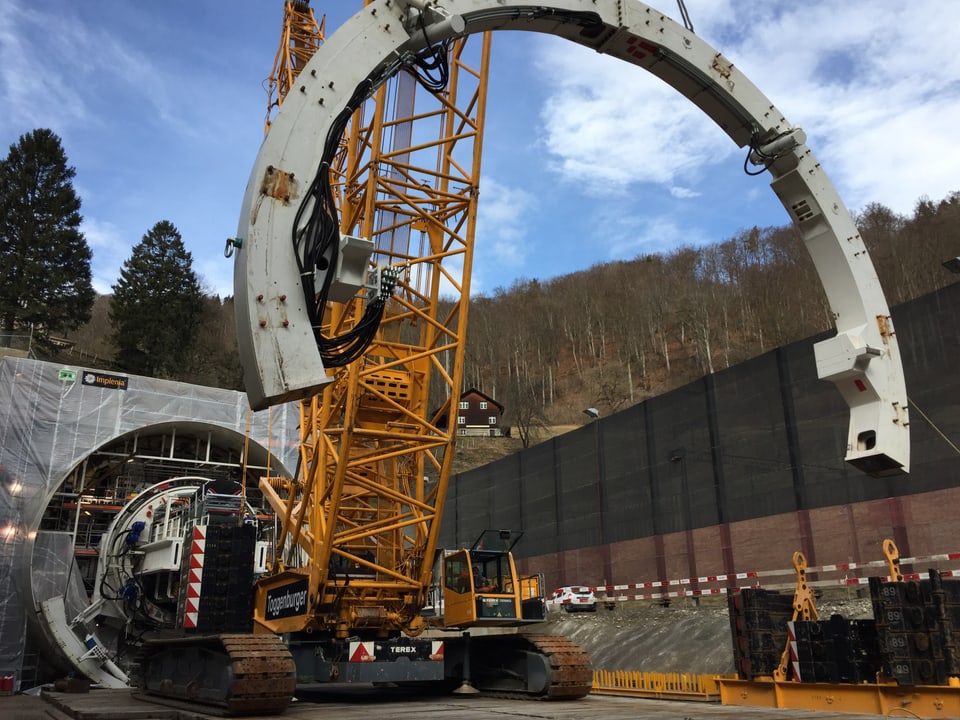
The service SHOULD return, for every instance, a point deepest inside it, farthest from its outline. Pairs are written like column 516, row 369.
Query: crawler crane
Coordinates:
column 355, row 329
column 358, row 577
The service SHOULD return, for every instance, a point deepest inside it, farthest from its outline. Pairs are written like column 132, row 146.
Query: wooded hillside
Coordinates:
column 617, row 333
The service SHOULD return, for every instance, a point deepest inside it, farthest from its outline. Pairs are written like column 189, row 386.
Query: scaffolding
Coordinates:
column 72, row 453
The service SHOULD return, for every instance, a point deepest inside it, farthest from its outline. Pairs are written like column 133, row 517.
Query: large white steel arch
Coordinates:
column 863, row 359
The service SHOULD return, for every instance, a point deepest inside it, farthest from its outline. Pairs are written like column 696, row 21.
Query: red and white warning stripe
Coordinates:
column 794, row 655
column 618, row 593
column 198, row 543
column 362, row 652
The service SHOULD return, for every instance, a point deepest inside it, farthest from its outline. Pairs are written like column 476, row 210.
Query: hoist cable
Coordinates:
column 685, row 16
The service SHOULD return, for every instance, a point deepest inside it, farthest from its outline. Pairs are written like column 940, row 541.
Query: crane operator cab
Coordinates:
column 481, row 585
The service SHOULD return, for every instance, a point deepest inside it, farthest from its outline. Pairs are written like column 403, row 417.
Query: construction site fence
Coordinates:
column 658, row 685
column 851, row 575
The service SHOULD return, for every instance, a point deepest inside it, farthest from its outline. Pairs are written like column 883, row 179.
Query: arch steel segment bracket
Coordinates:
column 277, row 347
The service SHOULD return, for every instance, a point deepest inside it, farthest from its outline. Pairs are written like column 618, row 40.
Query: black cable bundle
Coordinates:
column 755, row 148
column 432, row 58
column 316, row 244
column 316, row 228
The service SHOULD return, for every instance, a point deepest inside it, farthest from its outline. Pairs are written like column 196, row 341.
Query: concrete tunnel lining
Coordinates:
column 53, row 430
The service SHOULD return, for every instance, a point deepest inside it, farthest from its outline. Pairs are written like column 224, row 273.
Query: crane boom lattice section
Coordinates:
column 301, row 37
column 377, row 442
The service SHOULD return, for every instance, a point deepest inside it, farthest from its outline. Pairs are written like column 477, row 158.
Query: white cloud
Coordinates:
column 215, row 273
column 501, row 223
column 61, row 72
column 607, row 125
column 32, row 95
column 628, row 235
column 683, row 192
column 161, row 125
column 110, row 250
column 874, row 86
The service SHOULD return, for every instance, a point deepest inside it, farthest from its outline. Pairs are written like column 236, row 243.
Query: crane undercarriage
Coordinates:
column 246, row 674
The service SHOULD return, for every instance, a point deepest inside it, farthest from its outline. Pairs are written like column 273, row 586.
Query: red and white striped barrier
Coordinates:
column 689, row 587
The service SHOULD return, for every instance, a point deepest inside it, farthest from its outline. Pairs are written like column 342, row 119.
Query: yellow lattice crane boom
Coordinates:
column 378, row 439
column 376, row 442
column 360, row 523
column 301, row 37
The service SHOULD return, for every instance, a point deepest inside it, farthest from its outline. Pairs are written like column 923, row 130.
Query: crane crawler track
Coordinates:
column 567, row 671
column 240, row 674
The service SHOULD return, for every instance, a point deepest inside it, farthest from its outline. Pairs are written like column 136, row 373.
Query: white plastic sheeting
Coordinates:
column 51, row 418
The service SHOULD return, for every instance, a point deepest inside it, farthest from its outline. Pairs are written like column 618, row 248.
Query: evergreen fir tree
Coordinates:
column 44, row 258
column 156, row 306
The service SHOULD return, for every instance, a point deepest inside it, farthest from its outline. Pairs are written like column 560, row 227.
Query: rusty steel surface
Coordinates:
column 279, row 185
column 570, row 673
column 264, row 674
column 241, row 674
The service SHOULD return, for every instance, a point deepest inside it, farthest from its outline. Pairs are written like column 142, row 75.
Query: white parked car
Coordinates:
column 572, row 598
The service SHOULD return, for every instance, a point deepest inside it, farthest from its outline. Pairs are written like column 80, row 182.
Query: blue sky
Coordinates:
column 160, row 107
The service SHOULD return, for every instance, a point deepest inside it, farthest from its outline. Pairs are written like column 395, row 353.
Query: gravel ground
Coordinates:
column 680, row 638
